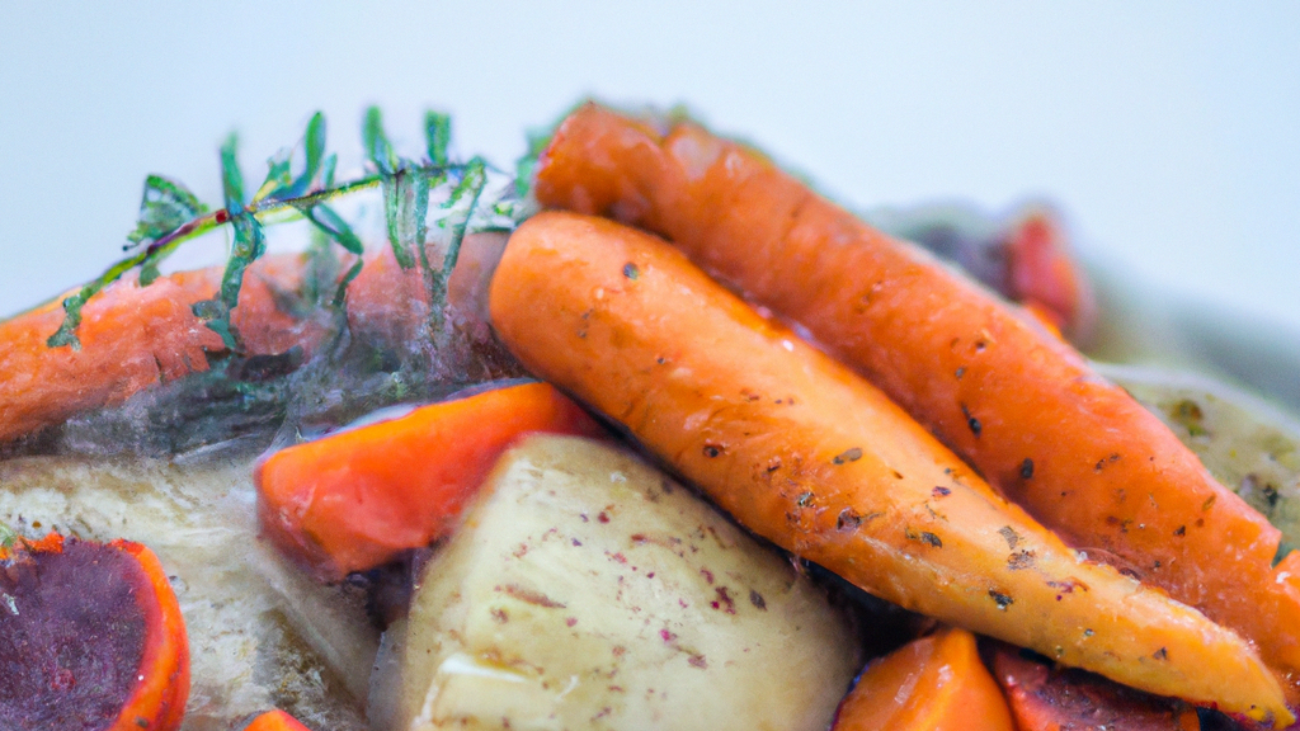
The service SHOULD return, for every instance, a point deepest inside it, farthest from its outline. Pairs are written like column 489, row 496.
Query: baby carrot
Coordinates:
column 1015, row 401
column 133, row 337
column 936, row 683
column 810, row 456
column 354, row 500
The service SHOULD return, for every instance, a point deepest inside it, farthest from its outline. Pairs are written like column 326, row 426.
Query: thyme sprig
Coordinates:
column 300, row 185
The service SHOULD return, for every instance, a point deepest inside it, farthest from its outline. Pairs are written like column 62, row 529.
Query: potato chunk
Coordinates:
column 586, row 590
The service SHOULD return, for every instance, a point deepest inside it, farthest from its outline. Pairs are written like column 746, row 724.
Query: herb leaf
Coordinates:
column 437, row 135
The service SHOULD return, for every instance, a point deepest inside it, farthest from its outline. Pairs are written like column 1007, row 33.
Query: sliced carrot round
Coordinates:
column 91, row 637
column 936, row 683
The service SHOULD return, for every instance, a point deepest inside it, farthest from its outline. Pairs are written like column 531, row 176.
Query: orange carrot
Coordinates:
column 936, row 683
column 133, row 337
column 275, row 721
column 355, row 500
column 1016, row 402
column 810, row 456
column 92, row 635
column 1047, row 699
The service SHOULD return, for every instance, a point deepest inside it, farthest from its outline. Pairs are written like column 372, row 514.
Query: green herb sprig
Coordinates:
column 300, row 185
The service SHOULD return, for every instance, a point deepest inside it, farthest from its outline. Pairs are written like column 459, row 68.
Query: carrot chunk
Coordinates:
column 936, row 683
column 1008, row 396
column 275, row 721
column 810, row 456
column 1043, row 698
column 91, row 637
column 354, row 500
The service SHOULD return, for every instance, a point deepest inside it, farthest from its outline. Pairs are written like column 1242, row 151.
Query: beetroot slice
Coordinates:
column 72, row 634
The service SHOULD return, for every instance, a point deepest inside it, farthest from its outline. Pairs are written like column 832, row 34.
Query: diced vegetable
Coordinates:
column 586, row 590
column 813, row 458
column 1014, row 400
column 936, row 683
column 91, row 636
column 356, row 499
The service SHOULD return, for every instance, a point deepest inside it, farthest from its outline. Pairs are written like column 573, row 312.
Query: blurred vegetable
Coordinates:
column 275, row 721
column 1044, row 698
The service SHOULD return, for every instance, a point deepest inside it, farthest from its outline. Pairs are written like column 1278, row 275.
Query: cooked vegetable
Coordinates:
column 586, row 590
column 936, row 683
column 1015, row 401
column 275, row 721
column 261, row 634
column 91, row 637
column 811, row 457
column 356, row 499
column 132, row 337
column 1247, row 444
column 1044, row 698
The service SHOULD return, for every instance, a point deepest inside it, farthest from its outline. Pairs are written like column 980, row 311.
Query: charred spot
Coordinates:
column 975, row 427
column 1161, row 654
column 940, row 491
column 1021, row 560
column 1003, row 600
column 1011, row 536
column 805, row 499
column 848, row 520
column 630, row 271
column 1180, row 530
column 931, row 539
column 961, row 372
column 1027, row 469
column 848, row 455
column 757, row 600
column 774, row 464
column 712, row 450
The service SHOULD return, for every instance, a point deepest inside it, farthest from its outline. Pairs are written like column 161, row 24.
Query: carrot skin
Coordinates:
column 275, row 721
column 808, row 455
column 354, row 500
column 936, row 683
column 1014, row 400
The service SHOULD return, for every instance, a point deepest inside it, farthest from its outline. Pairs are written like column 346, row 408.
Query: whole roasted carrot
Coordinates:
column 1018, row 403
column 808, row 455
column 936, row 683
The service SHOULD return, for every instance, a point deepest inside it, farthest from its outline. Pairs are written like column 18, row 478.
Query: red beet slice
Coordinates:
column 91, row 638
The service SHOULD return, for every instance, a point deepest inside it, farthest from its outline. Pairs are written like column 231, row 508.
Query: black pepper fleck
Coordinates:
column 848, row 455
column 1027, row 469
column 630, row 271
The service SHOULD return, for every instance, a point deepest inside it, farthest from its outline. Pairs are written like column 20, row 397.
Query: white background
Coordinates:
column 1168, row 132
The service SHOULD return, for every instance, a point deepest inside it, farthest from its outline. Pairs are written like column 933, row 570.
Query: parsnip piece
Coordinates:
column 586, row 590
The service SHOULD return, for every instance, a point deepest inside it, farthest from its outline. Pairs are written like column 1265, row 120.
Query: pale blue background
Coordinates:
column 1169, row 132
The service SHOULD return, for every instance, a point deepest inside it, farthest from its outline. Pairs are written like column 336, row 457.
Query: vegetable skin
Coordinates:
column 808, row 455
column 275, row 721
column 1017, row 402
column 356, row 499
